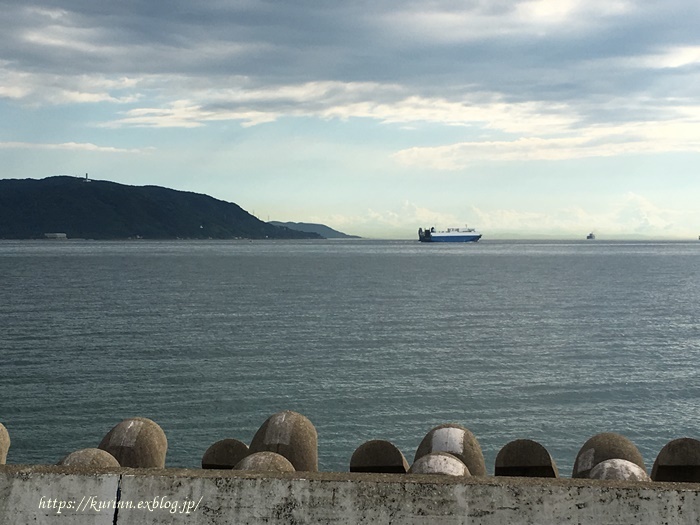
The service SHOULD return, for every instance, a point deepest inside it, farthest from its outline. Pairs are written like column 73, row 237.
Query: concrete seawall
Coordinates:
column 51, row 494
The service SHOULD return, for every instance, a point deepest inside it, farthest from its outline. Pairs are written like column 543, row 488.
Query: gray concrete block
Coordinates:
column 378, row 455
column 678, row 461
column 456, row 440
column 618, row 469
column 601, row 447
column 442, row 463
column 4, row 443
column 525, row 458
column 137, row 442
column 91, row 458
column 293, row 436
column 265, row 462
column 224, row 454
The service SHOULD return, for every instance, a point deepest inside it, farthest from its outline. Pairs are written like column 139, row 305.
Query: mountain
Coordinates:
column 322, row 230
column 94, row 209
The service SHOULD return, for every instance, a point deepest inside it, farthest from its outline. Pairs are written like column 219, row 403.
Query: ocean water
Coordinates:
column 551, row 341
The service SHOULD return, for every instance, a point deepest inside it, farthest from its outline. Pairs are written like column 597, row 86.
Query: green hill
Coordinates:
column 321, row 229
column 96, row 209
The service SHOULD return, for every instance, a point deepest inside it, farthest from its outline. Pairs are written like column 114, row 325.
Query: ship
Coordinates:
column 448, row 235
column 590, row 236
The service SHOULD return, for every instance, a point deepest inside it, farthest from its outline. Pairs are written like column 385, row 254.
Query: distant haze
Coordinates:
column 519, row 118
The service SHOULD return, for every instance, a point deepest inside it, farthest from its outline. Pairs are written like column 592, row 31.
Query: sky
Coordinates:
column 522, row 119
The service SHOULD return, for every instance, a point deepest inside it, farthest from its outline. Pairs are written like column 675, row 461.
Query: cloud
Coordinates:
column 390, row 104
column 538, row 79
column 400, row 222
column 37, row 89
column 635, row 138
column 639, row 214
column 671, row 57
column 443, row 45
column 626, row 215
column 70, row 146
column 506, row 48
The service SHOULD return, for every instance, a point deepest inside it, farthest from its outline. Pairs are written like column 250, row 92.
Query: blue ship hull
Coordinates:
column 454, row 238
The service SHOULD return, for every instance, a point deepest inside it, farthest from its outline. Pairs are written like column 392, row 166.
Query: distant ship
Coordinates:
column 590, row 236
column 449, row 235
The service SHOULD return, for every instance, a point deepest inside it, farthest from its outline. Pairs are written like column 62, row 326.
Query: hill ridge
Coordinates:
column 98, row 209
column 311, row 227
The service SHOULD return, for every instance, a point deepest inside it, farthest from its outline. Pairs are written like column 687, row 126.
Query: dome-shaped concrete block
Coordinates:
column 224, row 454
column 4, row 443
column 89, row 457
column 618, row 469
column 293, row 436
column 456, row 440
column 137, row 442
column 378, row 455
column 679, row 461
column 442, row 463
column 601, row 447
column 265, row 462
column 525, row 458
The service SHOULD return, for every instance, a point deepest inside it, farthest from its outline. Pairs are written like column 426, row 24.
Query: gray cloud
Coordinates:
column 517, row 51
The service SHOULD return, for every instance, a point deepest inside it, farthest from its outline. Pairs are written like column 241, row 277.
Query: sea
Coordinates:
column 552, row 341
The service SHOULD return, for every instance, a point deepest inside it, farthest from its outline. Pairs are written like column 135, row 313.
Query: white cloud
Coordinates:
column 672, row 57
column 70, row 146
column 51, row 14
column 387, row 103
column 627, row 215
column 548, row 11
column 639, row 214
column 72, row 39
column 37, row 89
column 564, row 13
column 400, row 222
column 679, row 134
column 454, row 22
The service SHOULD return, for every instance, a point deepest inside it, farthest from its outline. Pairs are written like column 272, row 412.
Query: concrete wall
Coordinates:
column 35, row 494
